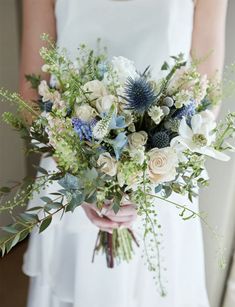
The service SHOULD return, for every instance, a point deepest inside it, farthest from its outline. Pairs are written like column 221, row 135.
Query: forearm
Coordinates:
column 208, row 40
column 38, row 18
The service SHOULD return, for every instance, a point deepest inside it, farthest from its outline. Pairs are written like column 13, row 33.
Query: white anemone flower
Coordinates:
column 200, row 136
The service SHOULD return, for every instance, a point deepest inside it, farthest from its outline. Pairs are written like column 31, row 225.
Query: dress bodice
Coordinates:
column 145, row 31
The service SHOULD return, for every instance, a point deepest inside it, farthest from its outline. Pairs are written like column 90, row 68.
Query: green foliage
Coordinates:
column 15, row 99
column 225, row 132
column 34, row 80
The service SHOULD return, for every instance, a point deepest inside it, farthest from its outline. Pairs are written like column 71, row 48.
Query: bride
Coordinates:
column 58, row 261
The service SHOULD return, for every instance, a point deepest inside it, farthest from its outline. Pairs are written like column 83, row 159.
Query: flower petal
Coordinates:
column 184, row 129
column 211, row 152
column 196, row 123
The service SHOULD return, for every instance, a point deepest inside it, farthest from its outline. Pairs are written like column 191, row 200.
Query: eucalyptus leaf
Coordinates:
column 76, row 201
column 34, row 209
column 55, row 205
column 15, row 240
column 158, row 188
column 70, row 182
column 45, row 223
column 46, row 199
column 9, row 229
column 29, row 217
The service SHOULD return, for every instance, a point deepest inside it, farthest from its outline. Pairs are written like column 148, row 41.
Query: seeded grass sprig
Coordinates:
column 17, row 100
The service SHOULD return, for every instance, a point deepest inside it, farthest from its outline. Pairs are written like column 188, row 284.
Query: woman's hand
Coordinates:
column 107, row 219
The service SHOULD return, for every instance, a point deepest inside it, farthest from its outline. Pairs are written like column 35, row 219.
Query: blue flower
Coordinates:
column 83, row 129
column 160, row 139
column 117, row 122
column 139, row 94
column 185, row 111
column 119, row 144
column 102, row 69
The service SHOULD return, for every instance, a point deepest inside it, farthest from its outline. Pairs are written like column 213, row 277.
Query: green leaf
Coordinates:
column 5, row 190
column 70, row 182
column 15, row 241
column 76, row 201
column 158, row 188
column 116, row 203
column 55, row 205
column 165, row 66
column 35, row 209
column 41, row 170
column 34, row 80
column 167, row 191
column 9, row 229
column 45, row 223
column 46, row 199
column 29, row 217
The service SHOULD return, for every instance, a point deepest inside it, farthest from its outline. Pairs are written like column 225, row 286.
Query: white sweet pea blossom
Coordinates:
column 200, row 136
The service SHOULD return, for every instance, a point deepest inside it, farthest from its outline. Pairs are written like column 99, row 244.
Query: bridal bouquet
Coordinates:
column 116, row 134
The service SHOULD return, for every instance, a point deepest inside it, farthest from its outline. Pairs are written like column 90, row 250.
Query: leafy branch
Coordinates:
column 193, row 214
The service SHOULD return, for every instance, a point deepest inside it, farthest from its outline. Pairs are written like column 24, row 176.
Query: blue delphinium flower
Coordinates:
column 102, row 69
column 117, row 122
column 139, row 94
column 160, row 139
column 83, row 129
column 119, row 144
column 185, row 111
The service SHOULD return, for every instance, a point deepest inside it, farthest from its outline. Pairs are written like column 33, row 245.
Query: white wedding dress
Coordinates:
column 59, row 260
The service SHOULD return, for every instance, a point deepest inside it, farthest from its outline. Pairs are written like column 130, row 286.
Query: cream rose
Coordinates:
column 103, row 104
column 162, row 164
column 137, row 139
column 95, row 89
column 85, row 112
column 108, row 164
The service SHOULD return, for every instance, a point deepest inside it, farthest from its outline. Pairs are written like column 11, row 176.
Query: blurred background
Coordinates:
column 218, row 200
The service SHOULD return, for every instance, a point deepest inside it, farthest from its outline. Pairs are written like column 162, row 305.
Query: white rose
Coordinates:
column 162, row 165
column 103, row 104
column 108, row 164
column 124, row 68
column 85, row 112
column 95, row 89
column 137, row 139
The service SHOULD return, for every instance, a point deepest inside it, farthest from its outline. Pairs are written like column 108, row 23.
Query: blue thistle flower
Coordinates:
column 185, row 111
column 139, row 94
column 83, row 129
column 160, row 139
